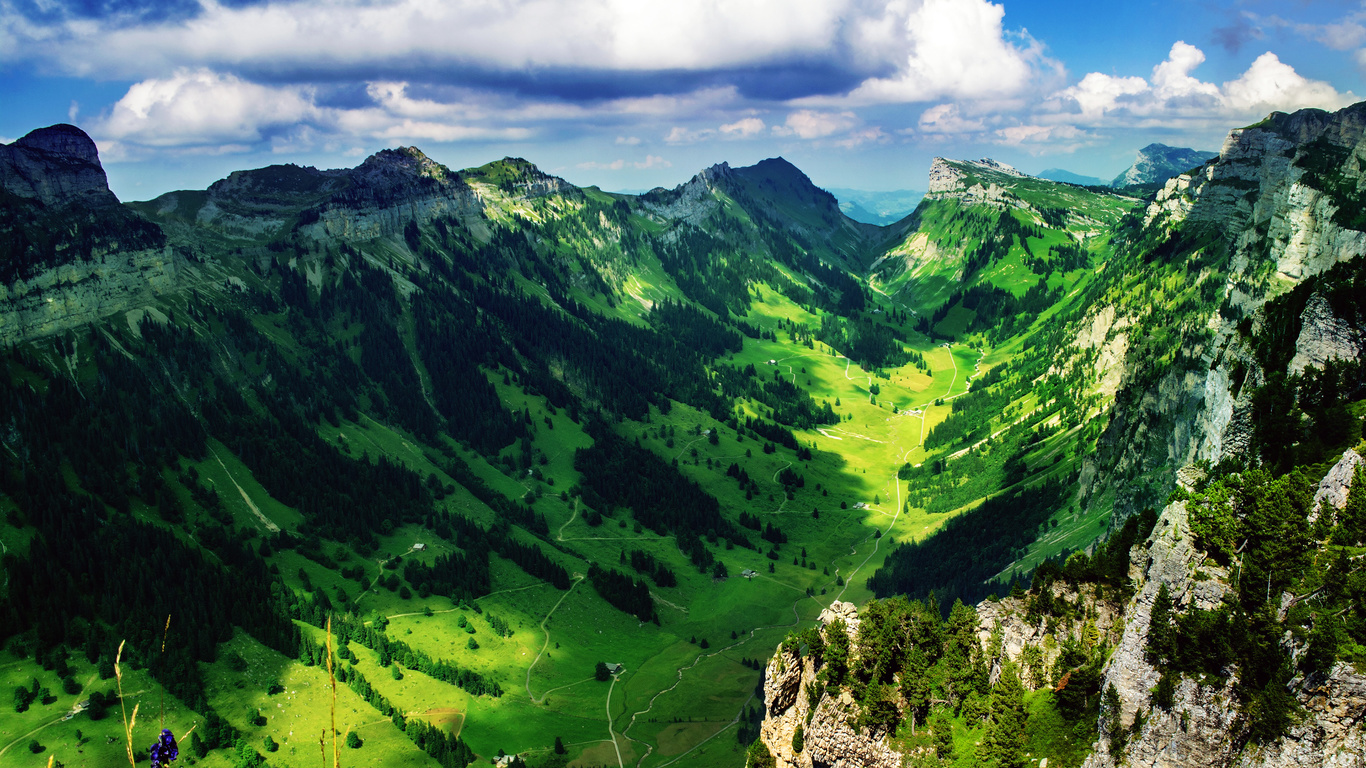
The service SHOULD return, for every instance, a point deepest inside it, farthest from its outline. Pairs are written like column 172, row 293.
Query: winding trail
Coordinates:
column 27, row 735
column 620, row 763
column 876, row 542
column 748, row 636
column 573, row 514
column 546, row 645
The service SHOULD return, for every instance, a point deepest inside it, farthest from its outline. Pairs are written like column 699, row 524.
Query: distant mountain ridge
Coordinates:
column 1156, row 163
column 1068, row 177
column 881, row 208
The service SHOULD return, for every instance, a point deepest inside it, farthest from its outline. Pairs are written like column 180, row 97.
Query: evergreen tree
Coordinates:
column 1004, row 742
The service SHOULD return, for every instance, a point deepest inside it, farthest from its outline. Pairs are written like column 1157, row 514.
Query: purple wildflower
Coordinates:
column 165, row 751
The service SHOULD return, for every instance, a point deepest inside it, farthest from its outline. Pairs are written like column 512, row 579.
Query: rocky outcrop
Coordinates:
column 830, row 740
column 81, row 292
column 1262, row 204
column 55, row 166
column 1005, row 631
column 1335, row 485
column 971, row 181
column 1202, row 726
column 73, row 253
column 1324, row 336
column 1156, row 163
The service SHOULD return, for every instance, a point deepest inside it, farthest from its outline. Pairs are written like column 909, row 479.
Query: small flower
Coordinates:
column 165, row 751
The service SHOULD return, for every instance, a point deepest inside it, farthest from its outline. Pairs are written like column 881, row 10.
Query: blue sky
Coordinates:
column 631, row 94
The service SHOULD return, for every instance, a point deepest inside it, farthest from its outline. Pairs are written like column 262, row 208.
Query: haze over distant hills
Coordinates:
column 1067, row 177
column 879, row 208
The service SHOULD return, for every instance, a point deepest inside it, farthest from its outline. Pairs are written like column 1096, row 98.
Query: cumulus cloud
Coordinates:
column 948, row 119
column 1271, row 84
column 900, row 50
column 951, row 49
column 1174, row 93
column 813, row 124
column 1055, row 136
column 744, row 128
column 204, row 107
column 210, row 111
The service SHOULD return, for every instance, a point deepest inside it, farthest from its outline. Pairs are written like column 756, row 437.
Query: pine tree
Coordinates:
column 1004, row 743
column 1161, row 639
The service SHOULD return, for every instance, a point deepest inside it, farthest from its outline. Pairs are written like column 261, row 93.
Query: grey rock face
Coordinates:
column 1335, row 485
column 55, row 166
column 82, row 292
column 1203, row 725
column 830, row 741
column 1324, row 336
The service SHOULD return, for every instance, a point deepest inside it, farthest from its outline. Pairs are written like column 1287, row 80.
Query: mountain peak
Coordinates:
column 519, row 175
column 403, row 160
column 62, row 139
column 948, row 177
column 55, row 166
column 1156, row 163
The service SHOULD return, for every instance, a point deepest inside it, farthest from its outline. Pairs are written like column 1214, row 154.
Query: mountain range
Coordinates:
column 549, row 471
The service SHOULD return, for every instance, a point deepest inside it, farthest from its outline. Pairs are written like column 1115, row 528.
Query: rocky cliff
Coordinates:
column 1273, row 211
column 69, row 252
column 1203, row 725
column 829, row 739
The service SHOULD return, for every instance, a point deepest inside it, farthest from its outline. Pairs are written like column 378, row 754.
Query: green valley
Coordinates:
column 431, row 467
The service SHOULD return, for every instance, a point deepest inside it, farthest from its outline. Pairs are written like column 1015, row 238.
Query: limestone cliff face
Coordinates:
column 69, row 252
column 1203, row 726
column 56, row 166
column 390, row 189
column 970, row 181
column 74, row 294
column 829, row 740
column 1280, row 224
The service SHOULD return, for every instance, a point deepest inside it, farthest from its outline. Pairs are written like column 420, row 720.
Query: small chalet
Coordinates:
column 615, row 669
column 418, row 547
column 749, row 573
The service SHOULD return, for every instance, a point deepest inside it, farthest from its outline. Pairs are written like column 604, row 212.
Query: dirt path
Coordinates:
column 610, row 732
column 666, row 602
column 573, row 514
column 546, row 645
column 719, row 731
column 28, row 735
column 267, row 522
column 380, row 575
column 649, row 748
column 876, row 542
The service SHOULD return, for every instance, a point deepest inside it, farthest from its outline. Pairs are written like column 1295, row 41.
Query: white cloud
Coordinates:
column 623, row 35
column 811, row 124
column 628, row 141
column 1099, row 93
column 1172, row 79
column 743, row 128
column 1052, row 135
column 203, row 107
column 871, row 135
column 680, row 135
column 956, row 49
column 947, row 119
column 1271, row 84
column 1174, row 95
